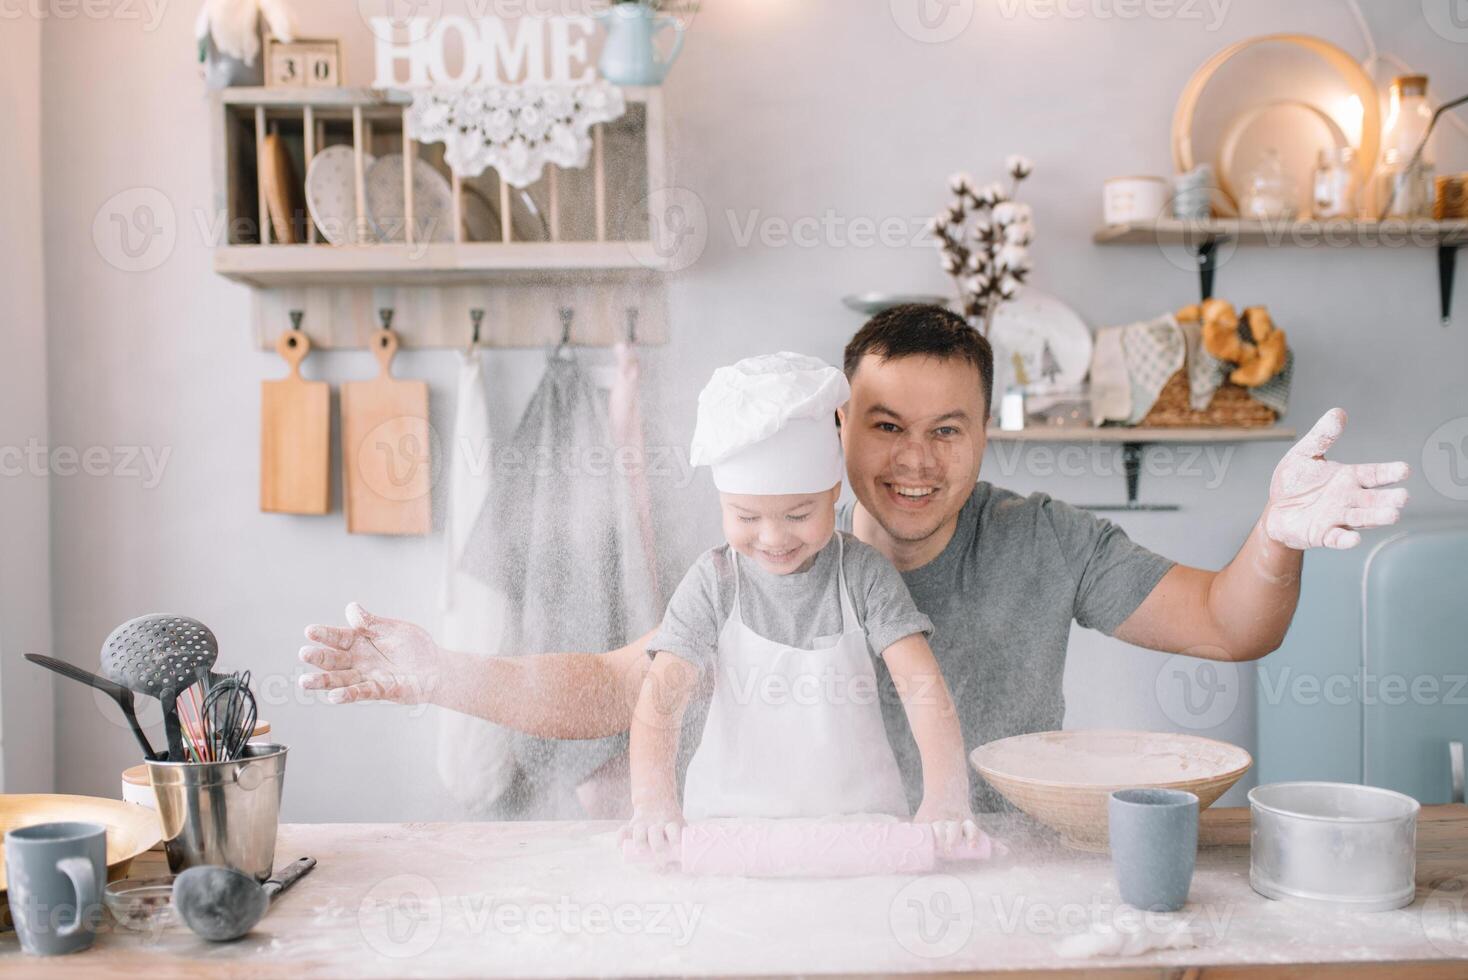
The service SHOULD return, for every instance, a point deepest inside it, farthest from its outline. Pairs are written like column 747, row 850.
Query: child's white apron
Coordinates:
column 794, row 732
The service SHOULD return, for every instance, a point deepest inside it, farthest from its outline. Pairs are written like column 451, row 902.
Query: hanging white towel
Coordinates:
column 476, row 759
column 625, row 412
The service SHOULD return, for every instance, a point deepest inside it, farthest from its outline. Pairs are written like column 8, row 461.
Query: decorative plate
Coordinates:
column 433, row 201
column 331, row 193
column 481, row 219
column 1040, row 344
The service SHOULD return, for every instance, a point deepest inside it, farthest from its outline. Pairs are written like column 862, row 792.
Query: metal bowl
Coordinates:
column 1333, row 843
column 870, row 304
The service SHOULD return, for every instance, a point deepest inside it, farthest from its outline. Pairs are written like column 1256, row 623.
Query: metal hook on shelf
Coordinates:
column 567, row 315
column 385, row 315
column 293, row 336
column 476, row 317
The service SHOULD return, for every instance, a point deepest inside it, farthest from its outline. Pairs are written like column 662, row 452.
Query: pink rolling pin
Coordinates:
column 812, row 849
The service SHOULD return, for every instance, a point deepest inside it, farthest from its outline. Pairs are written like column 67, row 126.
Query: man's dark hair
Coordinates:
column 921, row 330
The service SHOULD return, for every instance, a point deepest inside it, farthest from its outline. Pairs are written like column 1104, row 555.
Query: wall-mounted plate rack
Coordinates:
column 578, row 238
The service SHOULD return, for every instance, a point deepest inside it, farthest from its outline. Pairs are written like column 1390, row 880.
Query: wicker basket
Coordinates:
column 1231, row 406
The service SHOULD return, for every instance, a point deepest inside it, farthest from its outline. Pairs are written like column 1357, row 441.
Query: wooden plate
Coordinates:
column 1271, row 68
column 1296, row 130
column 282, row 192
column 1063, row 779
column 131, row 829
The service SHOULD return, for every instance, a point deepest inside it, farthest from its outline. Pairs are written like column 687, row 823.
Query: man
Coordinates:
column 1001, row 576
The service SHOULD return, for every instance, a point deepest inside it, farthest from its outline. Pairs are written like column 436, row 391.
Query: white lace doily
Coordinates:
column 516, row 129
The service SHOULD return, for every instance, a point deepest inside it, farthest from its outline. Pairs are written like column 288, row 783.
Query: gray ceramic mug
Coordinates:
column 54, row 875
column 1154, row 845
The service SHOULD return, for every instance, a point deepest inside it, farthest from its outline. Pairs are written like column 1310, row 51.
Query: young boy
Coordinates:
column 783, row 622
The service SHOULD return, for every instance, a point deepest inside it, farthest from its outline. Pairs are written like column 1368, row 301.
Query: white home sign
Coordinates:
column 528, row 50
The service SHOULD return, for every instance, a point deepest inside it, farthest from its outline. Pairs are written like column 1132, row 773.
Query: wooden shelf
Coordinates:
column 269, row 266
column 1203, row 239
column 1134, row 441
column 1329, row 233
column 520, row 280
column 349, row 96
column 1146, row 435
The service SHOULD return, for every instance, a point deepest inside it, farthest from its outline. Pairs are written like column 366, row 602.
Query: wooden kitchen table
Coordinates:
column 556, row 899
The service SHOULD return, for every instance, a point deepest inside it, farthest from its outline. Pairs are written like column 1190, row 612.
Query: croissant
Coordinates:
column 1263, row 362
column 1257, row 355
column 1260, row 324
column 1221, row 331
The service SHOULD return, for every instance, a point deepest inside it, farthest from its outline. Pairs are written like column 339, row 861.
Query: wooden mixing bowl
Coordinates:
column 1063, row 779
column 131, row 829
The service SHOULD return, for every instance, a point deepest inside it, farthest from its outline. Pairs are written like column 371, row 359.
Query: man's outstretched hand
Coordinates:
column 375, row 659
column 1315, row 502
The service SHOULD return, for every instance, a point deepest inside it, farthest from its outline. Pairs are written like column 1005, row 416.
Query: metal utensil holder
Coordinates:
column 223, row 813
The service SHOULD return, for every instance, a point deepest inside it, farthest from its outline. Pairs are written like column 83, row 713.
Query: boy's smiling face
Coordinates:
column 782, row 533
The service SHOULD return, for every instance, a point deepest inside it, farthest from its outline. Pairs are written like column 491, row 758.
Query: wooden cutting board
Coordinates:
column 295, row 436
column 386, row 457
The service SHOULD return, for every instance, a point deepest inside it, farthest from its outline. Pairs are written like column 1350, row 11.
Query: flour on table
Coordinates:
column 1108, row 939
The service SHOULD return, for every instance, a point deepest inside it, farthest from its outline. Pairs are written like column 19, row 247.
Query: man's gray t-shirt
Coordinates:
column 790, row 609
column 1002, row 596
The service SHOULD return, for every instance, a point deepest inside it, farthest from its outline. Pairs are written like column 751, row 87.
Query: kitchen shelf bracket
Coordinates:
column 1207, row 256
column 1447, row 267
column 1131, row 460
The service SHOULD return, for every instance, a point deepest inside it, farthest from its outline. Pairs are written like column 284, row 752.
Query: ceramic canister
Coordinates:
column 1135, row 199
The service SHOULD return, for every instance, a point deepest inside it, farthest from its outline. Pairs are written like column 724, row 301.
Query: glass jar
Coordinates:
column 1269, row 194
column 1404, row 187
column 1334, row 184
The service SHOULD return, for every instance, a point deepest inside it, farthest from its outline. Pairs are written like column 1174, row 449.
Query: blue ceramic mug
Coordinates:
column 54, row 875
column 1154, row 845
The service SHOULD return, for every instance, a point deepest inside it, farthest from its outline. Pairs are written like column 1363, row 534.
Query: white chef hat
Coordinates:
column 767, row 425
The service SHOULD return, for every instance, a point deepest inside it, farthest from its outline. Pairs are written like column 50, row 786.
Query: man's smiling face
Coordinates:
column 914, row 438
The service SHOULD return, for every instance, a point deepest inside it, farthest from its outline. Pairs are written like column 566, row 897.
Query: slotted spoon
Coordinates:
column 161, row 656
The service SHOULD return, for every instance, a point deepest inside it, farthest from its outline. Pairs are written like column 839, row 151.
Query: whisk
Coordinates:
column 228, row 716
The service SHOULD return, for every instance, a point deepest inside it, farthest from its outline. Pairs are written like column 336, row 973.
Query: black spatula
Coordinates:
column 116, row 692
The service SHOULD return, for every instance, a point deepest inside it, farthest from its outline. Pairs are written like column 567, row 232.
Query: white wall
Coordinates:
column 27, row 718
column 777, row 111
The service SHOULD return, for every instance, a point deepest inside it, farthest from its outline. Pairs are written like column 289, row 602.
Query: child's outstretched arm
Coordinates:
column 657, row 722
column 934, row 723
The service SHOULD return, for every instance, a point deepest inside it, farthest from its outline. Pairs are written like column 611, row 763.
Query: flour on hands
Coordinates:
column 1315, row 502
column 374, row 659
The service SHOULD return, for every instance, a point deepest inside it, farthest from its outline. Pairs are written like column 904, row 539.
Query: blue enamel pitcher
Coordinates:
column 628, row 55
